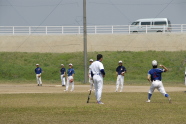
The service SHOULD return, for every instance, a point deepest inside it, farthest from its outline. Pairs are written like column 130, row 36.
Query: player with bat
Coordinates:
column 97, row 73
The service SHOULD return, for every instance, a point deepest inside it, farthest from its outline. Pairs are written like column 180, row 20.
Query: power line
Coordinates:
column 75, row 3
column 41, row 23
column 164, row 8
column 18, row 12
column 119, row 10
column 136, row 4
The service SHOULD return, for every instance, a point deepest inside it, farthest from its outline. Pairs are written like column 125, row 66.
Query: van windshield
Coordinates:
column 135, row 23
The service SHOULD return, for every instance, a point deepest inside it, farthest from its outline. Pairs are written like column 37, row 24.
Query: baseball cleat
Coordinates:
column 99, row 102
column 148, row 100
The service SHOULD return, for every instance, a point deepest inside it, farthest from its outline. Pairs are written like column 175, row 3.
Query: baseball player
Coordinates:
column 63, row 74
column 154, row 77
column 89, row 75
column 98, row 73
column 70, row 78
column 120, row 71
column 38, row 72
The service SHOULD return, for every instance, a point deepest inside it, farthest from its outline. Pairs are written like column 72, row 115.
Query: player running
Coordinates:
column 154, row 77
column 120, row 71
column 98, row 73
column 38, row 72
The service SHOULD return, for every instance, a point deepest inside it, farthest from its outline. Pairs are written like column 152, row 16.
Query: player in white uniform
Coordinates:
column 120, row 71
column 89, row 75
column 154, row 77
column 98, row 73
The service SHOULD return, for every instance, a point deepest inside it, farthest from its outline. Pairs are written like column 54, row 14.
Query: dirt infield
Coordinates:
column 33, row 88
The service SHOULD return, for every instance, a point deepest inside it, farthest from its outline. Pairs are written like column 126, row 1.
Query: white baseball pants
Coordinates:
column 70, row 83
column 157, row 85
column 98, row 85
column 62, row 79
column 38, row 79
column 119, row 82
column 91, row 83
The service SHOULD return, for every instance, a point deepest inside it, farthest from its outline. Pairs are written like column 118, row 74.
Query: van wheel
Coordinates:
column 159, row 31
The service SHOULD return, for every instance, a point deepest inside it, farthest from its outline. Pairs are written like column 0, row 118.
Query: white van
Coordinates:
column 151, row 25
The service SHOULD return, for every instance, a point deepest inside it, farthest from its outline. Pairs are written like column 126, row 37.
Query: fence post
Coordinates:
column 62, row 30
column 112, row 29
column 164, row 29
column 95, row 29
column 29, row 31
column 129, row 29
column 181, row 28
column 79, row 30
column 146, row 29
column 13, row 30
column 46, row 30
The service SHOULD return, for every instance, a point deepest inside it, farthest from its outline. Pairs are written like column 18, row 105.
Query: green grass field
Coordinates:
column 19, row 67
column 119, row 108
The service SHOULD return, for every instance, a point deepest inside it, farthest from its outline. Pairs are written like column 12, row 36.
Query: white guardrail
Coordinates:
column 113, row 29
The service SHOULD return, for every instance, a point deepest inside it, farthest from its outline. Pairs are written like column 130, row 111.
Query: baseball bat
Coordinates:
column 89, row 96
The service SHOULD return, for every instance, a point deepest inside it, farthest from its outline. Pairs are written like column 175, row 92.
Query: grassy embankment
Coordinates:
column 19, row 67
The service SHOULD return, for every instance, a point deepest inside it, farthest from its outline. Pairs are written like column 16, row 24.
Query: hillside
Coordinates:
column 19, row 66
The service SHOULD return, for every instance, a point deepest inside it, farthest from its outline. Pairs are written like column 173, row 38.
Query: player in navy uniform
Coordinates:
column 70, row 78
column 38, row 72
column 120, row 71
column 63, row 74
column 154, row 77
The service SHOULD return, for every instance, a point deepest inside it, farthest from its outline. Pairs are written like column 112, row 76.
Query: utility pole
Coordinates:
column 85, row 41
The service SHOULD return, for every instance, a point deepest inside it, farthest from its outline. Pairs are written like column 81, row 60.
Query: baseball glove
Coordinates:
column 122, row 73
column 71, row 80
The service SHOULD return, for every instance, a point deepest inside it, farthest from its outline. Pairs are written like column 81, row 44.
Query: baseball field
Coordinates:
column 49, row 104
column 23, row 102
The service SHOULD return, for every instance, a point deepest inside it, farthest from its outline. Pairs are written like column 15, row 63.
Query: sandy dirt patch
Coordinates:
column 46, row 88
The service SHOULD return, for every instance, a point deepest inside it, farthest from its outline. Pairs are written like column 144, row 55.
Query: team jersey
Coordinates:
column 63, row 70
column 96, row 68
column 120, row 69
column 38, row 70
column 155, row 73
column 70, row 72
